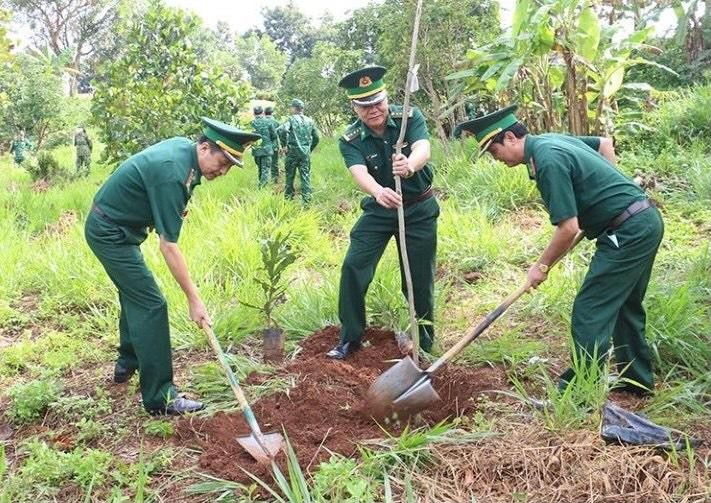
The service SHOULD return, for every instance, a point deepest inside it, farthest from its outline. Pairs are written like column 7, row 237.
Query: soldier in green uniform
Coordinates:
column 367, row 148
column 263, row 153
column 582, row 189
column 299, row 136
column 268, row 111
column 151, row 190
column 83, row 144
column 19, row 147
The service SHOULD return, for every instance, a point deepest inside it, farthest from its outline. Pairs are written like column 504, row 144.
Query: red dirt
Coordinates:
column 321, row 413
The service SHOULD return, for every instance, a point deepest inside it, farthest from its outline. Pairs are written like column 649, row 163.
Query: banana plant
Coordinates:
column 558, row 61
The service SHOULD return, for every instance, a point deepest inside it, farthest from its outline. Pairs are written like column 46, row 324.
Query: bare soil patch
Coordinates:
column 323, row 412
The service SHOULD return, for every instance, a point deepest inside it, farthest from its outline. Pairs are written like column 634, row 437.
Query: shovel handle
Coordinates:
column 234, row 384
column 492, row 316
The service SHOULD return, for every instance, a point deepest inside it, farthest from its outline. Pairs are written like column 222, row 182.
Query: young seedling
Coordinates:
column 277, row 256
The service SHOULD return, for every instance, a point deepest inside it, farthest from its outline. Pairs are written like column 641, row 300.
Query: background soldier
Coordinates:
column 367, row 148
column 84, row 147
column 275, row 154
column 263, row 153
column 582, row 190
column 152, row 189
column 20, row 146
column 299, row 136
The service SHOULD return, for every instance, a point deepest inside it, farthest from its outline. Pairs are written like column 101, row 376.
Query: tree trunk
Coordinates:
column 436, row 107
column 575, row 96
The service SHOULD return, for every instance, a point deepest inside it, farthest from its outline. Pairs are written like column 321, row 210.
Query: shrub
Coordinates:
column 28, row 401
column 46, row 167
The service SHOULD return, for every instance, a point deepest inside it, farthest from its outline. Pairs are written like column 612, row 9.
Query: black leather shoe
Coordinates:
column 177, row 407
column 122, row 374
column 344, row 349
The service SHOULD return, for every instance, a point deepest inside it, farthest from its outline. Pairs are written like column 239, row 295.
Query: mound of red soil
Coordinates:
column 321, row 414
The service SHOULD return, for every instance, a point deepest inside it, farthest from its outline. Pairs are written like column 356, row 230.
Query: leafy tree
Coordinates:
column 68, row 27
column 33, row 100
column 447, row 30
column 263, row 61
column 361, row 31
column 290, row 30
column 157, row 86
column 314, row 81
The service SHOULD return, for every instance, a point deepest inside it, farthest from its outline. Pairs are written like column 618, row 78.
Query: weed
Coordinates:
column 157, row 428
column 29, row 401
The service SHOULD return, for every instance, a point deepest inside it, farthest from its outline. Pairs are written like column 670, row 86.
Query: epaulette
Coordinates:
column 352, row 132
column 396, row 112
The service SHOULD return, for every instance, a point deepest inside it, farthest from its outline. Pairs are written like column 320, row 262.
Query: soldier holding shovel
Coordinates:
column 582, row 190
column 367, row 147
column 152, row 189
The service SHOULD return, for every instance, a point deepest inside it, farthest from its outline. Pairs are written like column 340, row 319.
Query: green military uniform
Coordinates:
column 263, row 153
column 19, row 147
column 275, row 154
column 151, row 189
column 576, row 181
column 83, row 144
column 377, row 225
column 300, row 136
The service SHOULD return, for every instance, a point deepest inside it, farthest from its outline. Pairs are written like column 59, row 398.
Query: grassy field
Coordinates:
column 67, row 434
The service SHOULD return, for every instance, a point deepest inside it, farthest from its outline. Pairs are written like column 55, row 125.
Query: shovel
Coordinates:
column 261, row 446
column 405, row 389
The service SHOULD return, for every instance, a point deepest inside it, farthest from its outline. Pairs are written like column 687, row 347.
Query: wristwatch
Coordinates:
column 410, row 172
column 543, row 267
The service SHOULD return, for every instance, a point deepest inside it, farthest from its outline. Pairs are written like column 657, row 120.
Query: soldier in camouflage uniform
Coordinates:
column 84, row 147
column 263, row 153
column 299, row 136
column 275, row 154
column 19, row 147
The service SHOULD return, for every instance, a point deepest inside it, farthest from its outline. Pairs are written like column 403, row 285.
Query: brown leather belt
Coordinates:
column 632, row 209
column 418, row 199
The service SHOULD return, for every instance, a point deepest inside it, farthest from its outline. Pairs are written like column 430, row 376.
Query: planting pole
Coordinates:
column 410, row 86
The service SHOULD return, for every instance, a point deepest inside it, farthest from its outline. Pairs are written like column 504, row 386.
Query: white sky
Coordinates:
column 246, row 14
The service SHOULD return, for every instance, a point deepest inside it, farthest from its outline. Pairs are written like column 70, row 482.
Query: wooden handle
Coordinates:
column 234, row 384
column 492, row 316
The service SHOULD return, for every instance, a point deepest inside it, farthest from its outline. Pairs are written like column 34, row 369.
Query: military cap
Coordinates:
column 365, row 86
column 231, row 140
column 258, row 110
column 296, row 103
column 486, row 127
column 268, row 110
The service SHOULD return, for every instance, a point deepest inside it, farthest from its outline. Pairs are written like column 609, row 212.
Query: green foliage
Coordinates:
column 277, row 256
column 263, row 61
column 290, row 29
column 33, row 100
column 448, row 28
column 29, row 401
column 157, row 428
column 46, row 167
column 560, row 64
column 157, row 87
column 326, row 65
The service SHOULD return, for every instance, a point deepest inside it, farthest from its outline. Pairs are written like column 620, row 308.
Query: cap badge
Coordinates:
column 364, row 81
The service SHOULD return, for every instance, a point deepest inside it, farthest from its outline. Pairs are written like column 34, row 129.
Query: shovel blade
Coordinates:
column 264, row 449
column 419, row 397
column 392, row 384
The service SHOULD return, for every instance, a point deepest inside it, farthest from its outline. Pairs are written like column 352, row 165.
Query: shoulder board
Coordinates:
column 396, row 112
column 352, row 132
